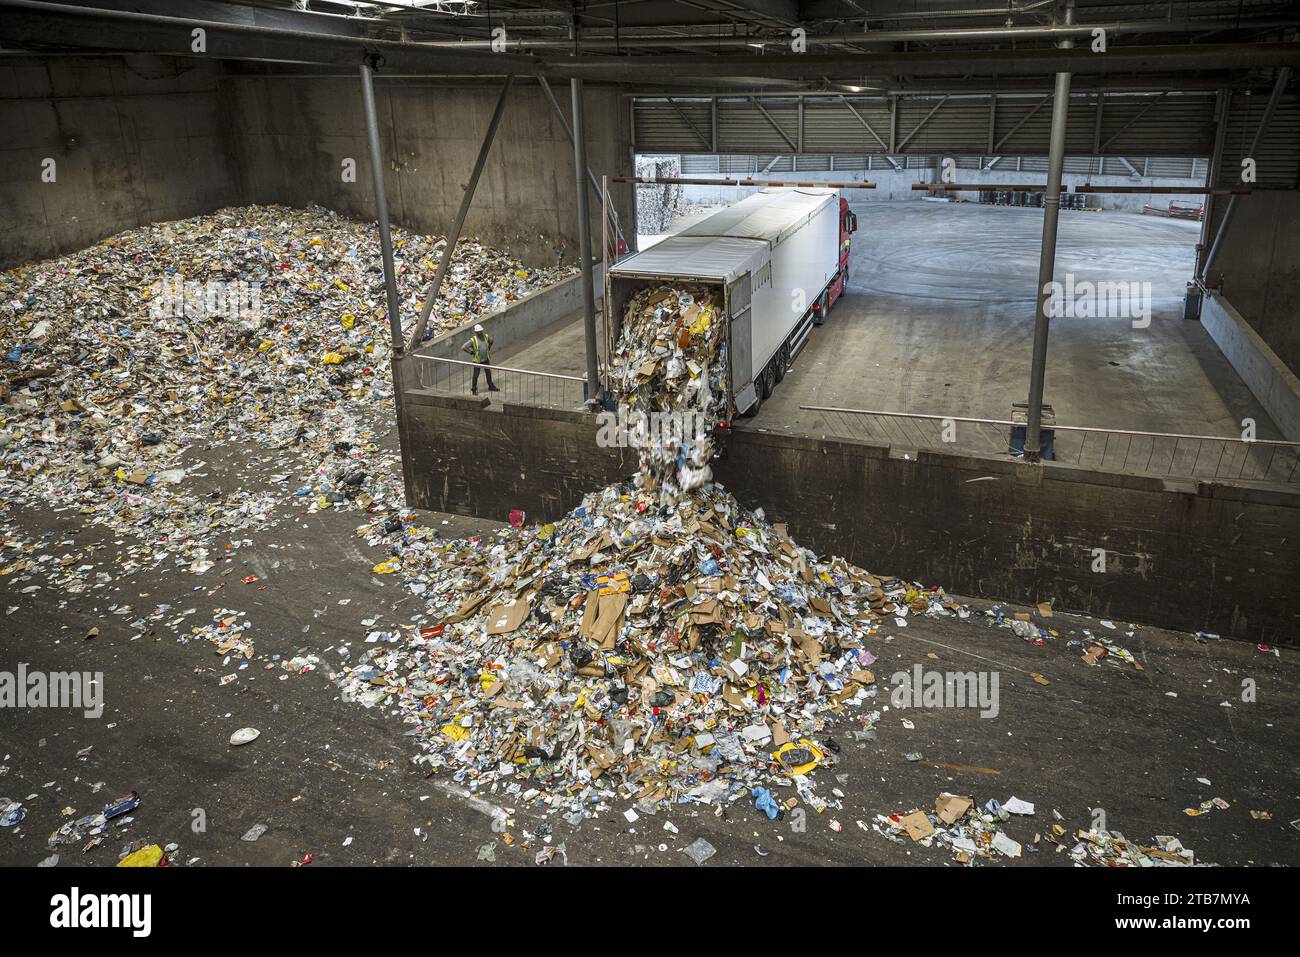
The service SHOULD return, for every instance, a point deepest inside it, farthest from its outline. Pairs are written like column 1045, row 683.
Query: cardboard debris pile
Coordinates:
column 264, row 324
column 975, row 835
column 657, row 644
column 1033, row 627
column 970, row 833
column 631, row 650
column 1112, row 849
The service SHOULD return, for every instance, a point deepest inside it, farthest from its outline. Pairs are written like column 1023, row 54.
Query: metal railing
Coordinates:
column 520, row 386
column 1166, row 454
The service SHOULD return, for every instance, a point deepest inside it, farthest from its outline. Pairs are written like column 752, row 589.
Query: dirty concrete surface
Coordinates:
column 1130, row 743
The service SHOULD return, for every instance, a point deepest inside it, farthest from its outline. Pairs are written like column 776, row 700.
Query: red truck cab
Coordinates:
column 848, row 226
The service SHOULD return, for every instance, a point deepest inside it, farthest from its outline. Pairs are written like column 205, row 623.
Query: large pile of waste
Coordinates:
column 658, row 643
column 259, row 323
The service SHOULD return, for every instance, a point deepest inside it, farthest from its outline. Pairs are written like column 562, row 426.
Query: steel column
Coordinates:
column 568, row 131
column 465, row 201
column 381, row 208
column 1221, row 100
column 584, row 238
column 1047, row 254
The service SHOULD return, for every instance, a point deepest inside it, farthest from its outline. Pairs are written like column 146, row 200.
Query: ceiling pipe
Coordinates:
column 1055, row 32
column 38, row 23
column 948, row 63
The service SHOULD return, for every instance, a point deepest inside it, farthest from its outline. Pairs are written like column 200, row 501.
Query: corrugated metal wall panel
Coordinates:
column 1180, row 167
column 960, row 125
column 660, row 128
column 1169, row 125
column 737, row 165
column 1023, row 125
column 1277, row 162
column 699, row 165
column 830, row 127
column 744, row 129
column 1133, row 126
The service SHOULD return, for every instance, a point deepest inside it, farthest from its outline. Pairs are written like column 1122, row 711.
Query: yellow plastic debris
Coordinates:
column 815, row 751
column 145, row 857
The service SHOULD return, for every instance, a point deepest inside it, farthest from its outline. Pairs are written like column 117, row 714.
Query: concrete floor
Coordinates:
column 939, row 319
column 940, row 313
column 1132, row 743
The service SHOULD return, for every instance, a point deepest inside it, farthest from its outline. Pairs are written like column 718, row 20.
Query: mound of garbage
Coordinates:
column 658, row 643
column 261, row 323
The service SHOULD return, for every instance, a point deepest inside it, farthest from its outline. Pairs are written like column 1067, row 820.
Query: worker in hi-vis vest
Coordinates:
column 479, row 348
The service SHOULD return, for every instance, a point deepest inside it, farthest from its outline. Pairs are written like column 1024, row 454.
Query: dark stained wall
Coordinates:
column 1178, row 555
column 135, row 140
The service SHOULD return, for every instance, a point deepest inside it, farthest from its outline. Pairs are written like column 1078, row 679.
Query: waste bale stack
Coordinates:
column 657, row 204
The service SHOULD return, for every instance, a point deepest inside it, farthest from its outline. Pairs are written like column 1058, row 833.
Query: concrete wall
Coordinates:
column 1179, row 555
column 1259, row 264
column 135, row 140
column 536, row 314
column 141, row 139
column 295, row 133
column 1275, row 386
column 891, row 184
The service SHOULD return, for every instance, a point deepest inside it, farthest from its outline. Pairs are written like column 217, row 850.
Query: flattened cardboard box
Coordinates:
column 503, row 619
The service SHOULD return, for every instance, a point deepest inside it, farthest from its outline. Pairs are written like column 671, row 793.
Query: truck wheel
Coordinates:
column 826, row 305
column 767, row 382
column 782, row 362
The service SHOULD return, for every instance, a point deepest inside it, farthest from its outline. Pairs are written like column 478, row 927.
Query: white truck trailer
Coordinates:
column 780, row 257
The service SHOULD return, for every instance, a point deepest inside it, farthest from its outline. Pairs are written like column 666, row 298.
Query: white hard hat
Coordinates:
column 478, row 327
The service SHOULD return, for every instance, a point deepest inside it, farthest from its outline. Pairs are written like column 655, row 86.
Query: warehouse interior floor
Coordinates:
column 934, row 323
column 335, row 780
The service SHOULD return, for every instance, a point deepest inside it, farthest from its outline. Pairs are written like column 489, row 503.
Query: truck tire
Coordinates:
column 767, row 381
column 782, row 362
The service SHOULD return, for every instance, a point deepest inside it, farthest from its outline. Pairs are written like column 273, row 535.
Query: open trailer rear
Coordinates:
column 780, row 258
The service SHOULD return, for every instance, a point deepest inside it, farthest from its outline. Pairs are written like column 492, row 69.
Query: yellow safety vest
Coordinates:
column 479, row 351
